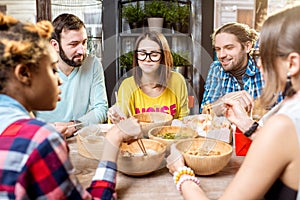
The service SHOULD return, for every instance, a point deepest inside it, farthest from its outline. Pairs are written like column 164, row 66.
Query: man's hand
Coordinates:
column 243, row 97
column 67, row 129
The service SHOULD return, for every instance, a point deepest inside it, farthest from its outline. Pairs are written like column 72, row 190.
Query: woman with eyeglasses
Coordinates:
column 153, row 86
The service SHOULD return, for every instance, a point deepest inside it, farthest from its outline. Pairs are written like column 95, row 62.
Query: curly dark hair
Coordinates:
column 21, row 43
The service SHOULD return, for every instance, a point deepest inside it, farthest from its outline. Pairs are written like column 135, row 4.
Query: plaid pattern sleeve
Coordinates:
column 213, row 84
column 34, row 164
column 219, row 82
column 104, row 180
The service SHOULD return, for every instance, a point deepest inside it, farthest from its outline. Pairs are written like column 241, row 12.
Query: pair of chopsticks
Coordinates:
column 78, row 124
column 74, row 125
column 139, row 141
column 142, row 147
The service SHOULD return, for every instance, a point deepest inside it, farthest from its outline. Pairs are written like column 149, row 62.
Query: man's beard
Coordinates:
column 68, row 61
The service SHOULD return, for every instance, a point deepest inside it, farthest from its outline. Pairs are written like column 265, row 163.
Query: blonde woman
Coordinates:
column 271, row 168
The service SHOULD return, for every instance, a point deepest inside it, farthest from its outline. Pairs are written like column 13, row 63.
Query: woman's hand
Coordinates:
column 236, row 114
column 131, row 129
column 127, row 130
column 174, row 160
column 115, row 114
column 243, row 97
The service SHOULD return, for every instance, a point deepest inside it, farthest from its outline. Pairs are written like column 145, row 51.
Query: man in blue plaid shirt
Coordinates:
column 235, row 74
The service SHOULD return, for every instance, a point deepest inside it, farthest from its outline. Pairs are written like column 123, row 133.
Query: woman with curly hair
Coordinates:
column 34, row 160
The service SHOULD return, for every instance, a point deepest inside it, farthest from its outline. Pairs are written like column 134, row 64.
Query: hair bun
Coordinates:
column 45, row 28
column 7, row 21
column 42, row 28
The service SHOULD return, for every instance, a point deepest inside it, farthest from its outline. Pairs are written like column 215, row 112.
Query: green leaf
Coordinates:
column 133, row 13
column 126, row 60
column 156, row 8
column 181, row 59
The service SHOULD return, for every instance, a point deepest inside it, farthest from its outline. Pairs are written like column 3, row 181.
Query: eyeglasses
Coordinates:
column 154, row 56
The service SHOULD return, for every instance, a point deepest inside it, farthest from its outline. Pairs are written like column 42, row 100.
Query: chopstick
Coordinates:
column 142, row 147
column 116, row 96
column 75, row 125
column 251, row 92
column 130, row 114
column 139, row 141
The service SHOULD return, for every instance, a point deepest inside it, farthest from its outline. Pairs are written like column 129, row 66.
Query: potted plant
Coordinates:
column 126, row 60
column 170, row 14
column 134, row 15
column 181, row 58
column 176, row 17
column 184, row 11
column 179, row 16
column 180, row 62
column 155, row 13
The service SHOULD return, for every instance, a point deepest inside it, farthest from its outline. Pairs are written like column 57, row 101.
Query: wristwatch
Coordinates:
column 251, row 130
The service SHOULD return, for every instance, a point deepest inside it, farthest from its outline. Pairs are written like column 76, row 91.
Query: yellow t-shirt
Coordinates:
column 173, row 100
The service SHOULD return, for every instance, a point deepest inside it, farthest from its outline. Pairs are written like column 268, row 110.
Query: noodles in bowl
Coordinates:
column 132, row 161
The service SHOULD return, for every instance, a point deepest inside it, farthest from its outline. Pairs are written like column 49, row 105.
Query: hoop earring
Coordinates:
column 288, row 90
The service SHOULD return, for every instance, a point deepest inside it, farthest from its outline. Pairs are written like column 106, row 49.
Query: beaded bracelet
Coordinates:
column 184, row 178
column 181, row 171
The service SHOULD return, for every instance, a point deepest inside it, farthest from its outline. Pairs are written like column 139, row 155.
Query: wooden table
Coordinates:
column 157, row 185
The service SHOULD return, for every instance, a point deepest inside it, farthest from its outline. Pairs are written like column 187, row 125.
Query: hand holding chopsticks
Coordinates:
column 139, row 141
column 237, row 114
column 243, row 97
column 121, row 121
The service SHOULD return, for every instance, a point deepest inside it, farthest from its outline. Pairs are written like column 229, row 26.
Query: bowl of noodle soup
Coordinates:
column 133, row 162
column 201, row 161
column 149, row 120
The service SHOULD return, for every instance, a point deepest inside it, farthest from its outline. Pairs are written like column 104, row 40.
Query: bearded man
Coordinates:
column 84, row 98
column 235, row 73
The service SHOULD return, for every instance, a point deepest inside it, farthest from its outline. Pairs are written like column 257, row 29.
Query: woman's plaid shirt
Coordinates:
column 34, row 164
